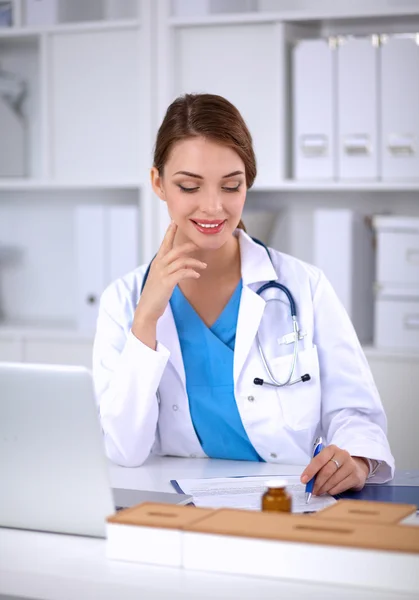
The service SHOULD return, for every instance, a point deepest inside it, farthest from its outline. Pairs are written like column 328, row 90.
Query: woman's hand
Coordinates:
column 348, row 472
column 169, row 267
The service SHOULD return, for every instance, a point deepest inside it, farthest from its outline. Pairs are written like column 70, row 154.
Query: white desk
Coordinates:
column 63, row 567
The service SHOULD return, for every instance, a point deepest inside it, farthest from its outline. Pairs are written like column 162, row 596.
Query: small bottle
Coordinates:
column 276, row 497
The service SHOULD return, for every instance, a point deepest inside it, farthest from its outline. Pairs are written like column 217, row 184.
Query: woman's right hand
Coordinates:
column 169, row 267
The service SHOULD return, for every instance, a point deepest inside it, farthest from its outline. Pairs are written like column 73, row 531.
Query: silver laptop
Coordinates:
column 53, row 469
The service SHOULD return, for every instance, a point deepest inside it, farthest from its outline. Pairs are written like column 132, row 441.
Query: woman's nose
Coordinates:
column 211, row 203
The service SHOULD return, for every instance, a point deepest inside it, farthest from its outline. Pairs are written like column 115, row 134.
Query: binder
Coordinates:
column 107, row 247
column 314, row 87
column 357, row 104
column 343, row 249
column 90, row 252
column 399, row 108
column 123, row 240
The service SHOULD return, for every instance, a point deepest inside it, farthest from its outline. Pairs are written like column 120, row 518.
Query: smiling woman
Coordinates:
column 178, row 341
column 203, row 196
column 203, row 119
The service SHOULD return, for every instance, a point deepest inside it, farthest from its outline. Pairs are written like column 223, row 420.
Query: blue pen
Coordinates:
column 317, row 447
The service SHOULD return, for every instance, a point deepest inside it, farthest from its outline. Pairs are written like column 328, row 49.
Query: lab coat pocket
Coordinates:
column 300, row 403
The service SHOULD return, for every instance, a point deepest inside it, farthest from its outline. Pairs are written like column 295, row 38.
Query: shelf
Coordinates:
column 388, row 354
column 288, row 185
column 18, row 33
column 61, row 332
column 87, row 26
column 225, row 19
column 37, row 185
column 296, row 16
column 339, row 186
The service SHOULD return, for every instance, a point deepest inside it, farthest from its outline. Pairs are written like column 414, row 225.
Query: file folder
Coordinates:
column 357, row 109
column 314, row 92
column 399, row 108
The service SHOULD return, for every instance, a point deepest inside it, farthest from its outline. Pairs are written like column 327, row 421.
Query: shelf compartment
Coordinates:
column 39, row 283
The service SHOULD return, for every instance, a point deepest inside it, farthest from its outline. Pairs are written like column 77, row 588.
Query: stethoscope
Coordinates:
column 295, row 334
column 296, row 330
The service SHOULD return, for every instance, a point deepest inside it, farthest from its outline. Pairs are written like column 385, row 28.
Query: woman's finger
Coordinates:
column 175, row 253
column 345, row 469
column 168, row 240
column 330, row 470
column 184, row 262
column 181, row 274
column 317, row 463
column 346, row 484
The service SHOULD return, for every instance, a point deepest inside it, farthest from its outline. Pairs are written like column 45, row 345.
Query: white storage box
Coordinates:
column 338, row 552
column 397, row 252
column 150, row 533
column 397, row 321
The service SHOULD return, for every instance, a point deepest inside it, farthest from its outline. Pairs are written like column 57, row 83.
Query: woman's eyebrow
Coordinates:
column 232, row 174
column 195, row 176
column 189, row 174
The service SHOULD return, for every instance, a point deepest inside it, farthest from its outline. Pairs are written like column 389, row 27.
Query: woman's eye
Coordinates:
column 232, row 189
column 188, row 189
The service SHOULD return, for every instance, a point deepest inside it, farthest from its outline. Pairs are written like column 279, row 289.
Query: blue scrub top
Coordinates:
column 208, row 354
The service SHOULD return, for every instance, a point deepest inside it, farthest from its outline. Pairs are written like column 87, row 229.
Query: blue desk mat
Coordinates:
column 404, row 494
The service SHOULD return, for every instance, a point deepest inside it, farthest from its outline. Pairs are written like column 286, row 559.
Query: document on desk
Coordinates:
column 246, row 493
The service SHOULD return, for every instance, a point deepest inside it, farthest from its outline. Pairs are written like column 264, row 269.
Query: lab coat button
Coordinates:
column 251, row 398
column 273, row 455
column 175, row 407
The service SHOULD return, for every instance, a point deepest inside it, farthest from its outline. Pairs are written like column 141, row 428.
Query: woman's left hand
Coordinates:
column 336, row 471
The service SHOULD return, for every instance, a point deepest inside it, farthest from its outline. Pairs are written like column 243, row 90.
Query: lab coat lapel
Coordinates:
column 249, row 318
column 256, row 269
column 168, row 336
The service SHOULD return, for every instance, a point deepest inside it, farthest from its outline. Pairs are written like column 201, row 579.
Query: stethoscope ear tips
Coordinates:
column 303, row 378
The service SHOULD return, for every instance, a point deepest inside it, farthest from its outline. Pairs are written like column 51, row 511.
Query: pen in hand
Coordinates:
column 318, row 447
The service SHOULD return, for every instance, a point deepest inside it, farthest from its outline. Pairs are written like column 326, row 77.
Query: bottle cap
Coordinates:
column 276, row 483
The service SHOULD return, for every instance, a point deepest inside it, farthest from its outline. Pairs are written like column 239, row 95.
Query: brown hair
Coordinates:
column 209, row 116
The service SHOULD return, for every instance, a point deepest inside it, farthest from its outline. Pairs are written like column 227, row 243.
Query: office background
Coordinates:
column 330, row 91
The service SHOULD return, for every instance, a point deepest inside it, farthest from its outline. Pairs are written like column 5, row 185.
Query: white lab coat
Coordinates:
column 142, row 393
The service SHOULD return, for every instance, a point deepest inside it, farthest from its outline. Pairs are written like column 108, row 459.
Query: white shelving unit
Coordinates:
column 82, row 147
column 145, row 55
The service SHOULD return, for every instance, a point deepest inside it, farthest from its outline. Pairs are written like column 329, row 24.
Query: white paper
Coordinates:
column 246, row 493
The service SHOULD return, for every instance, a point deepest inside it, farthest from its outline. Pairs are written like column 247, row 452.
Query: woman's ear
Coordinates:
column 157, row 183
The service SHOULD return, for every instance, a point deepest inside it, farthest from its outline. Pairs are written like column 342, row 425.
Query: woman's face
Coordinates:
column 204, row 185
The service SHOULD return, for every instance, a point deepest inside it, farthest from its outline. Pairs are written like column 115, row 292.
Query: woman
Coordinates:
column 175, row 362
